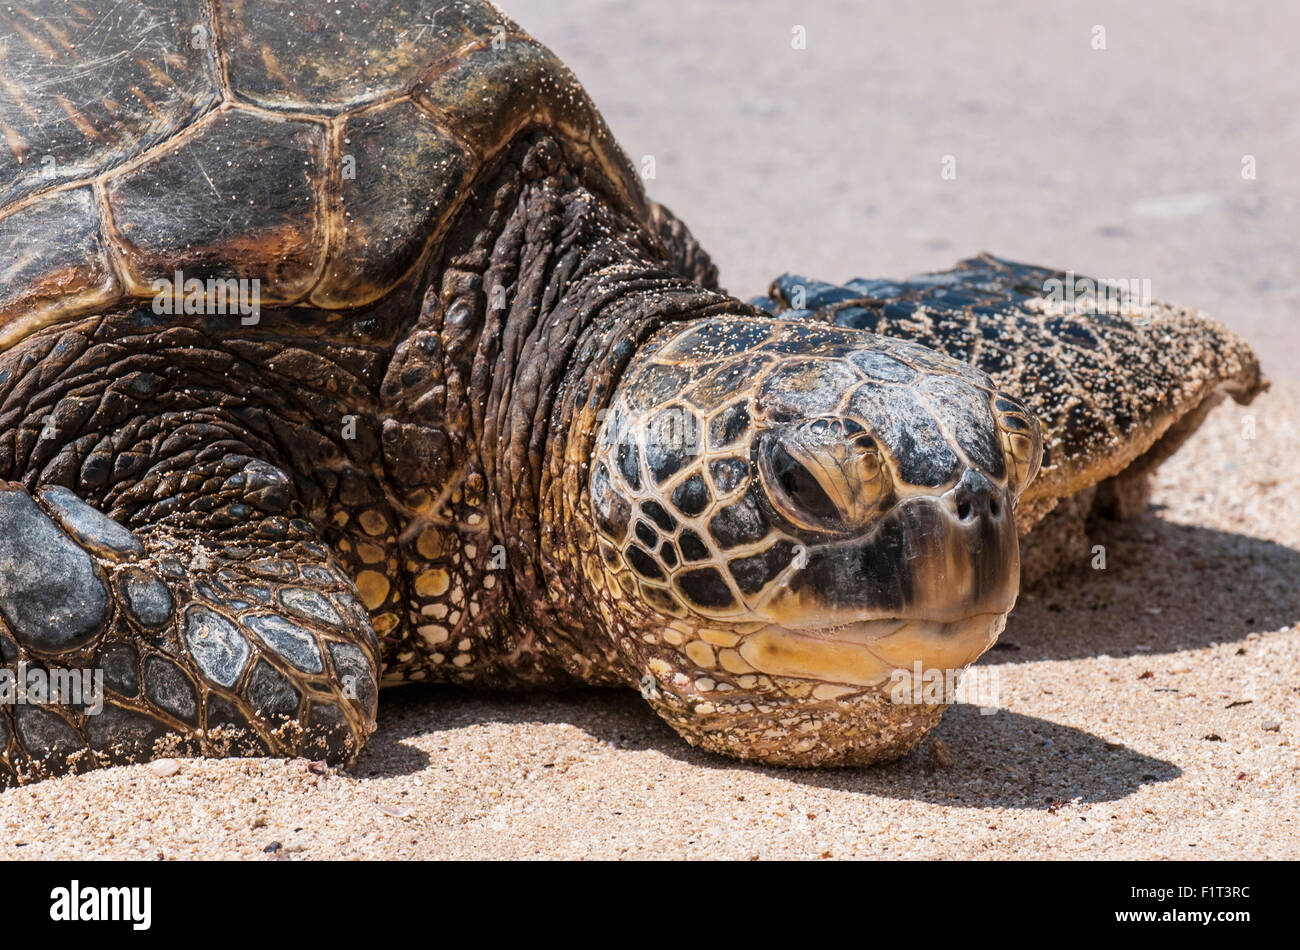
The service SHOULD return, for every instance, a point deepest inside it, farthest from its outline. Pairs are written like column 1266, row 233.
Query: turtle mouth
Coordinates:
column 867, row 653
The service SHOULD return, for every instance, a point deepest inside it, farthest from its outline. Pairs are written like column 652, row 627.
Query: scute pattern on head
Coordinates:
column 754, row 479
column 687, row 429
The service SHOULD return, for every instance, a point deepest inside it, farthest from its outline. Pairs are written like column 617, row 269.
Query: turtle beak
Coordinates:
column 931, row 584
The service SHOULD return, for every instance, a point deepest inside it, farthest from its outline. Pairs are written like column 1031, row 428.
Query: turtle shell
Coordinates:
column 320, row 149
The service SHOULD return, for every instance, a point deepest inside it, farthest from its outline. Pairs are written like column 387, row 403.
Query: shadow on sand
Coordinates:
column 1005, row 760
column 1166, row 587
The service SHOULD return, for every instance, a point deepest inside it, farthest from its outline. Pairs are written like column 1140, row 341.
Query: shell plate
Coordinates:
column 321, row 151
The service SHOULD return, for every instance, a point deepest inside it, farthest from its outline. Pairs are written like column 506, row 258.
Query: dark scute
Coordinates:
column 672, row 440
column 875, row 287
column 721, row 336
column 329, row 736
column 357, row 676
column 905, row 429
column 812, row 338
column 751, row 573
column 664, row 461
column 629, row 464
column 50, row 593
column 133, row 80
column 728, row 425
column 692, row 496
column 310, row 604
column 669, row 554
column 237, row 735
column 127, row 735
column 815, row 294
column 252, row 212
column 170, row 689
column 1016, row 423
column 255, row 593
column 90, row 526
column 120, row 664
column 692, row 548
column 271, row 694
column 611, row 509
column 145, row 598
column 407, row 174
column 342, row 53
column 705, row 587
column 294, row 643
column 656, row 385
column 728, row 474
column 217, row 645
column 857, row 318
column 643, row 563
column 656, row 513
column 722, row 384
column 647, row 535
column 275, row 568
column 660, row 599
column 47, row 736
column 317, row 575
column 741, row 523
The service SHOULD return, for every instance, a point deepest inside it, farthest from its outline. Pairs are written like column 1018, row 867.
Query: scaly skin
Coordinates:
column 401, row 464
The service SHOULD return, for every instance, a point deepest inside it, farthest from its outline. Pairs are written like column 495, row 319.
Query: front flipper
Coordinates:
column 1118, row 382
column 218, row 626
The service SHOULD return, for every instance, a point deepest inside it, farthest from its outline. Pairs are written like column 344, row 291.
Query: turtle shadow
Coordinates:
column 1165, row 587
column 403, row 713
column 1005, row 760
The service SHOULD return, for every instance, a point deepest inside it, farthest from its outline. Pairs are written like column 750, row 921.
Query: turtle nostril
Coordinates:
column 963, row 509
column 994, row 508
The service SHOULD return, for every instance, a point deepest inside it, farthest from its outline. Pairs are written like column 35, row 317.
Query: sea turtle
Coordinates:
column 340, row 347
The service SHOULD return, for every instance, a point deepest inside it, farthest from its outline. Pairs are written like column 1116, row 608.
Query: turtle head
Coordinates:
column 788, row 514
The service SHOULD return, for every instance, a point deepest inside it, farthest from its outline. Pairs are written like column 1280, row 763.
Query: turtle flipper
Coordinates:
column 241, row 636
column 1117, row 386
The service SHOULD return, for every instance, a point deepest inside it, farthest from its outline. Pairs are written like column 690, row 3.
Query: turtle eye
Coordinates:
column 799, row 494
column 824, row 474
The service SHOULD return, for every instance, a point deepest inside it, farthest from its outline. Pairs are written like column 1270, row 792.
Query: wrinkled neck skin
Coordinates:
column 437, row 442
column 589, row 286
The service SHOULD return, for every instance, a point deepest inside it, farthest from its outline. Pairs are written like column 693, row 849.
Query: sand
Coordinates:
column 1148, row 709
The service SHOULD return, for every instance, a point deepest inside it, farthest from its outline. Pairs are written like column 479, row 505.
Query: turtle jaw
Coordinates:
column 819, row 660
column 868, row 654
column 932, row 584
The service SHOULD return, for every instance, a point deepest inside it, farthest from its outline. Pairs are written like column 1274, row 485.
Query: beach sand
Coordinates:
column 1148, row 709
